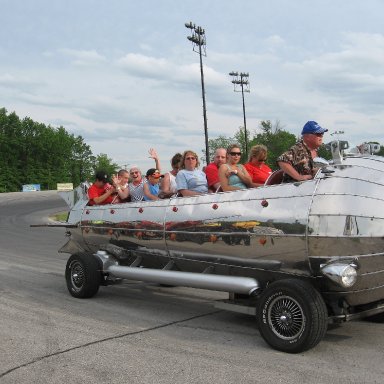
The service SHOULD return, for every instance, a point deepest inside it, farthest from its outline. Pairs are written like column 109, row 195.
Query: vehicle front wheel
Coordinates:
column 83, row 275
column 291, row 316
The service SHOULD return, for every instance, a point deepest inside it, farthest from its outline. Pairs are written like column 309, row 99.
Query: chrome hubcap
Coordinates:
column 77, row 275
column 286, row 318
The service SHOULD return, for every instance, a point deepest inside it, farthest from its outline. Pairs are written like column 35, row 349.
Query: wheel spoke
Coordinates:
column 77, row 275
column 286, row 317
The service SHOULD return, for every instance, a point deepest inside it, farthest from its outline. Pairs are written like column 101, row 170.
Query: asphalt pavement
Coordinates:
column 142, row 333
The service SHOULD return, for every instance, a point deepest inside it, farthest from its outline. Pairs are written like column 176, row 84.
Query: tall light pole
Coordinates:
column 242, row 80
column 198, row 45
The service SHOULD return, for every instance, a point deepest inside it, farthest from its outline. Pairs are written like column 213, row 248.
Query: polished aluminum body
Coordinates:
column 267, row 233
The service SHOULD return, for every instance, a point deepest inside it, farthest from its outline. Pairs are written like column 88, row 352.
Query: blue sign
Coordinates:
column 31, row 187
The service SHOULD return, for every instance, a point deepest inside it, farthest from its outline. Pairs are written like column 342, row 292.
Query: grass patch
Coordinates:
column 60, row 216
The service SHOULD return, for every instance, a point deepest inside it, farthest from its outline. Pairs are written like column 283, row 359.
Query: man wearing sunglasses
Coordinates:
column 297, row 162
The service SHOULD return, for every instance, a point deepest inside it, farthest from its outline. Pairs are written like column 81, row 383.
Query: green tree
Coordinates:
column 82, row 161
column 34, row 153
column 275, row 138
column 220, row 142
column 103, row 162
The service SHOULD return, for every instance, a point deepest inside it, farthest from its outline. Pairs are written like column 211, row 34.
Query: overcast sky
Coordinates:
column 122, row 74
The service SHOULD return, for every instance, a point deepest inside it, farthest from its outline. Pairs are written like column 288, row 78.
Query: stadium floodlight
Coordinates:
column 199, row 45
column 242, row 80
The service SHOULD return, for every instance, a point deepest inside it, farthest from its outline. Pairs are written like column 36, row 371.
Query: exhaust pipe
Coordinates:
column 236, row 284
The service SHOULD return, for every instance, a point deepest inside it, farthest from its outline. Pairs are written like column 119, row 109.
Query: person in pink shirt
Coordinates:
column 212, row 169
column 256, row 166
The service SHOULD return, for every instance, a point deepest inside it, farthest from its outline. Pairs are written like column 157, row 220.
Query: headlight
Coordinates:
column 343, row 274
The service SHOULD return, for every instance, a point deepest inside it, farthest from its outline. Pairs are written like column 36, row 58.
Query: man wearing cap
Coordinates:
column 151, row 187
column 101, row 192
column 297, row 162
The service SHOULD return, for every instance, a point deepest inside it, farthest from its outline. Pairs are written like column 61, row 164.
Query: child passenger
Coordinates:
column 151, row 187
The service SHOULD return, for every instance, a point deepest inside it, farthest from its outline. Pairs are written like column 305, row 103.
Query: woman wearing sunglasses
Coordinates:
column 232, row 175
column 136, row 185
column 190, row 180
column 256, row 166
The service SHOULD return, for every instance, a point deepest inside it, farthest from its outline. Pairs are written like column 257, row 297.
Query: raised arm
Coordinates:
column 123, row 192
column 153, row 155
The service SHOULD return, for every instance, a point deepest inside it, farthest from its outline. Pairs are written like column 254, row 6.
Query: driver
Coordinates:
column 297, row 162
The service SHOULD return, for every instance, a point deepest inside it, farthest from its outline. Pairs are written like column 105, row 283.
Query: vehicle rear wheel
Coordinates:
column 83, row 275
column 291, row 316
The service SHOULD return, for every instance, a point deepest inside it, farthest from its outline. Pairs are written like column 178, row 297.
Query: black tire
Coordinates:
column 291, row 316
column 83, row 275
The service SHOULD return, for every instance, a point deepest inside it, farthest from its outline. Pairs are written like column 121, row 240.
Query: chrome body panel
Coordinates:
column 267, row 233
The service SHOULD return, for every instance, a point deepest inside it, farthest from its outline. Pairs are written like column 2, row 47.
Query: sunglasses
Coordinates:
column 190, row 158
column 235, row 153
column 134, row 173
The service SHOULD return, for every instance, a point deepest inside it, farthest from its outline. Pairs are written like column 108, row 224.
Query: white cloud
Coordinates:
column 83, row 58
column 17, row 82
column 353, row 75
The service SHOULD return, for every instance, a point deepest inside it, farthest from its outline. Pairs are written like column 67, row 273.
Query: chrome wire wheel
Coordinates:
column 77, row 275
column 286, row 318
column 291, row 315
column 83, row 275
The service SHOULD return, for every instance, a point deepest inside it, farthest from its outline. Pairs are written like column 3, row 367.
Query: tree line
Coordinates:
column 34, row 153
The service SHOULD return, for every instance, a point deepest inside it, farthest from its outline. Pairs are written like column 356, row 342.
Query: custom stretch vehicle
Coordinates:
column 298, row 256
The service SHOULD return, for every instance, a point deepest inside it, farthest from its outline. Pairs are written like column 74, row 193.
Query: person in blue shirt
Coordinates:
column 151, row 186
column 190, row 180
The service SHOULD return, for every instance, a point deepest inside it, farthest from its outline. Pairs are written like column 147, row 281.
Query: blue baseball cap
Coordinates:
column 313, row 127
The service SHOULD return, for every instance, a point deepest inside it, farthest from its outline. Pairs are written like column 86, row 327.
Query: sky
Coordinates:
column 122, row 73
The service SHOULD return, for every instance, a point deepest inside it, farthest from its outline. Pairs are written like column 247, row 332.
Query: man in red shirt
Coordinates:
column 212, row 169
column 101, row 192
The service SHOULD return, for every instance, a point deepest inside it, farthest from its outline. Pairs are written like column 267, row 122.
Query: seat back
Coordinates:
column 276, row 177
